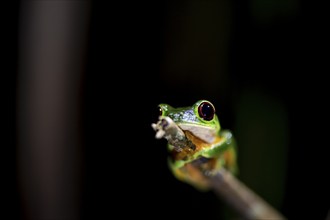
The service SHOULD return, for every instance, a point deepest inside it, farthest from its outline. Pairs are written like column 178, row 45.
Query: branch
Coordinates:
column 242, row 199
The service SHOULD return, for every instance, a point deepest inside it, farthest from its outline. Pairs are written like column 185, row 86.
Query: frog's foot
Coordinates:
column 166, row 128
column 160, row 127
column 192, row 175
column 208, row 166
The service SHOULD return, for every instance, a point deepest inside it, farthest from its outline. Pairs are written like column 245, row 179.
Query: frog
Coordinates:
column 198, row 148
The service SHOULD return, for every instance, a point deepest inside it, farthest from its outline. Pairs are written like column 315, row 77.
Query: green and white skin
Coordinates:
column 198, row 147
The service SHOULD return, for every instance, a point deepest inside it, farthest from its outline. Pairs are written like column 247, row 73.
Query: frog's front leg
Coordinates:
column 223, row 152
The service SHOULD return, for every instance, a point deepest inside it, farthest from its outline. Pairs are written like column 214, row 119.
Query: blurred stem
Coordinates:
column 242, row 199
column 52, row 43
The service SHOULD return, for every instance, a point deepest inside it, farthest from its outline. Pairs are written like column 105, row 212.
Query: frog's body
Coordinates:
column 211, row 149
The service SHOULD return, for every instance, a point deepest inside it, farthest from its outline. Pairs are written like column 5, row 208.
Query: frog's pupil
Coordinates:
column 206, row 111
column 160, row 111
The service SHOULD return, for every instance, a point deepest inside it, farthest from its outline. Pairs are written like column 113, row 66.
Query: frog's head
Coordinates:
column 199, row 119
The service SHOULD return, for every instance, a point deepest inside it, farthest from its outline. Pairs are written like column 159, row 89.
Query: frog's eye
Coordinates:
column 160, row 111
column 156, row 113
column 206, row 111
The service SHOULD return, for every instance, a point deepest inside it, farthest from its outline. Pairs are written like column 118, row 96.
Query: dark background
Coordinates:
column 263, row 65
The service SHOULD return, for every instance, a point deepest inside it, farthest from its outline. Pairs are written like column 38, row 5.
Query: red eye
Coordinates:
column 206, row 111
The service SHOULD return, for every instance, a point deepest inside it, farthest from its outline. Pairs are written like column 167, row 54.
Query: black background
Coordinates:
column 125, row 170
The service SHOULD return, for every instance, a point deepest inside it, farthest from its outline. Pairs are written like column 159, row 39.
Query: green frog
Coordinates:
column 197, row 145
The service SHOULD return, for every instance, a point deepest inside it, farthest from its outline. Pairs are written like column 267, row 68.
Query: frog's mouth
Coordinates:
column 202, row 132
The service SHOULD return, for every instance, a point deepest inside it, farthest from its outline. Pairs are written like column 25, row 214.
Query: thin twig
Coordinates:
column 241, row 198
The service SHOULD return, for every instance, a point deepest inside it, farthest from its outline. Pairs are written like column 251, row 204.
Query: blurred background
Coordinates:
column 88, row 77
